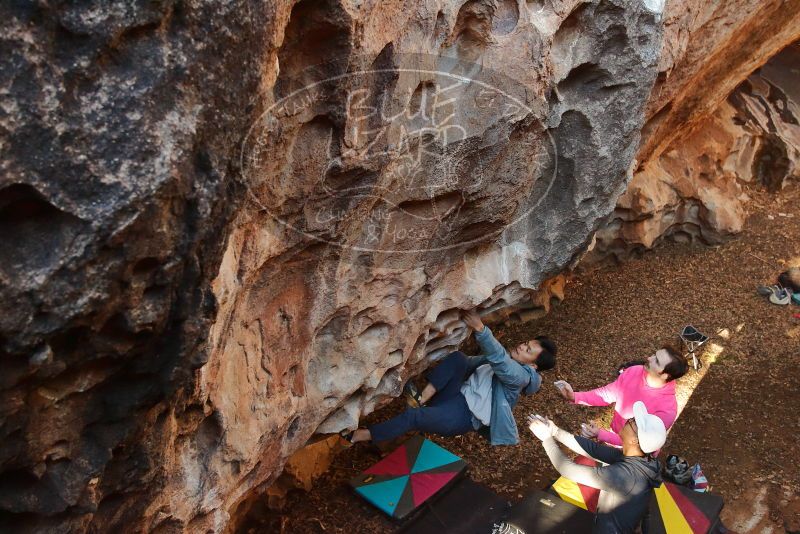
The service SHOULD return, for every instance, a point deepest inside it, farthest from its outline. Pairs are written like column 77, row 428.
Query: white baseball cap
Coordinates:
column 651, row 430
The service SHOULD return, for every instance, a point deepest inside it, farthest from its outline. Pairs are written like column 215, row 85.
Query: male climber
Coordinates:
column 466, row 393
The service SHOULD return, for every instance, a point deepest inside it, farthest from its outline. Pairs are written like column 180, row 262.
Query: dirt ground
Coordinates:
column 742, row 411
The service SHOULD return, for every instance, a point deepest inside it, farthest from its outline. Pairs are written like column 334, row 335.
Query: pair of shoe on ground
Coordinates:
column 779, row 295
column 787, row 289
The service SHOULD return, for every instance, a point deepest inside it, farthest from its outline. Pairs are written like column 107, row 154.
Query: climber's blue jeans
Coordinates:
column 446, row 414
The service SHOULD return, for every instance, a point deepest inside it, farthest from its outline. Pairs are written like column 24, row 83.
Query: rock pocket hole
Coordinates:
column 145, row 266
column 434, row 209
column 422, row 100
column 584, row 79
column 209, row 433
column 294, row 426
column 315, row 40
column 505, row 17
column 472, row 31
column 772, row 166
column 34, row 234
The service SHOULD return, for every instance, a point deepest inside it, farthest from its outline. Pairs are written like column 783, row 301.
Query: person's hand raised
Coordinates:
column 541, row 427
column 565, row 390
column 473, row 320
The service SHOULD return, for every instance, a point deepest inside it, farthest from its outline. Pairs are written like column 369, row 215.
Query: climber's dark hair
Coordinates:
column 547, row 358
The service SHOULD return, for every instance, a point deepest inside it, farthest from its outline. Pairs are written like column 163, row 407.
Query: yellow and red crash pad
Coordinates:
column 674, row 509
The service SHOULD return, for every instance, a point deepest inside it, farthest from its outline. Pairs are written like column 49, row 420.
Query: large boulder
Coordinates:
column 458, row 157
column 213, row 248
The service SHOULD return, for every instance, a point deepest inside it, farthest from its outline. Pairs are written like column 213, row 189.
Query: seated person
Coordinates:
column 451, row 406
column 652, row 383
column 626, row 482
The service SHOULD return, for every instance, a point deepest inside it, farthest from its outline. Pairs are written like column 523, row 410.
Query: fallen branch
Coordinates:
column 321, row 524
column 759, row 258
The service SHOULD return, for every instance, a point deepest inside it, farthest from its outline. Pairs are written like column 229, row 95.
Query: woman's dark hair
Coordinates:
column 547, row 358
column 678, row 364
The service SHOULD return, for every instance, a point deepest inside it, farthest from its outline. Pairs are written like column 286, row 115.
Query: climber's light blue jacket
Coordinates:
column 510, row 379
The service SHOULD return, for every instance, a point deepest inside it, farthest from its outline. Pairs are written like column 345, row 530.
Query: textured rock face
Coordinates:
column 422, row 194
column 709, row 48
column 302, row 468
column 703, row 133
column 692, row 192
column 341, row 241
column 769, row 105
column 118, row 129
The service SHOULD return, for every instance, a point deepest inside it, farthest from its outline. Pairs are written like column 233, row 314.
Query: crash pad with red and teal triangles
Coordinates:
column 408, row 476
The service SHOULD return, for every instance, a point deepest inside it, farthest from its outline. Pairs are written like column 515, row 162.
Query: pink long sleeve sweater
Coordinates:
column 631, row 386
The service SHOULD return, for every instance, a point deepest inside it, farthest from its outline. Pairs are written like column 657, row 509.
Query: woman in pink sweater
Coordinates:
column 652, row 383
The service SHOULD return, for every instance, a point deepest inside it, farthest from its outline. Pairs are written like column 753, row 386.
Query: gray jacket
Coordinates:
column 510, row 379
column 625, row 484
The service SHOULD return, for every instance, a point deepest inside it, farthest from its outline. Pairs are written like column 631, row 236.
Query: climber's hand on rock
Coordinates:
column 473, row 320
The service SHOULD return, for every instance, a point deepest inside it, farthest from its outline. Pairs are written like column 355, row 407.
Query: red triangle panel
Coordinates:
column 395, row 463
column 423, row 485
column 590, row 495
column 697, row 520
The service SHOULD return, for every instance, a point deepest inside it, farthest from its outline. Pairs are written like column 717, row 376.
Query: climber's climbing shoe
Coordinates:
column 412, row 394
column 347, row 435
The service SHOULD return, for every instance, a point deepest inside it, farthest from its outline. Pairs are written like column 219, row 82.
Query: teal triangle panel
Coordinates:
column 431, row 455
column 384, row 495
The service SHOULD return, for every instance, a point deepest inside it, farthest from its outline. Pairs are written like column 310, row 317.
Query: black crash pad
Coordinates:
column 541, row 512
column 466, row 508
